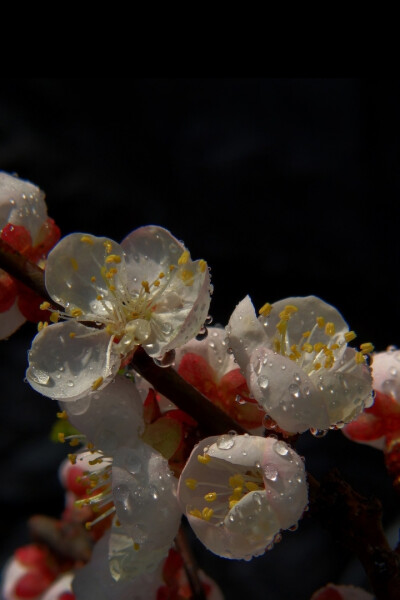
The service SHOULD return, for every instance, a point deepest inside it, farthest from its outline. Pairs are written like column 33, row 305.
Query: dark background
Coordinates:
column 285, row 186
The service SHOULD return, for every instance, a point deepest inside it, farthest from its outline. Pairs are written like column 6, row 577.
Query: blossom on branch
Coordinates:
column 25, row 227
column 298, row 365
column 379, row 425
column 239, row 491
column 146, row 291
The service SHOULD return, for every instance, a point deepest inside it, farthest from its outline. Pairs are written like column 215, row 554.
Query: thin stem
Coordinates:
column 190, row 565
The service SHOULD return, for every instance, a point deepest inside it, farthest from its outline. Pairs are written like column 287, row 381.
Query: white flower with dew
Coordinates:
column 146, row 291
column 239, row 491
column 22, row 208
column 298, row 365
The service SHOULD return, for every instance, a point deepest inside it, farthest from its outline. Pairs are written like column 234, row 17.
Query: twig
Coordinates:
column 190, row 565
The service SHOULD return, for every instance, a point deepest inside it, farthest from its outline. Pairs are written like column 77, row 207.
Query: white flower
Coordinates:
column 146, row 291
column 24, row 225
column 239, row 491
column 298, row 365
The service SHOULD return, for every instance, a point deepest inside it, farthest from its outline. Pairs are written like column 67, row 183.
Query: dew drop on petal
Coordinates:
column 263, row 382
column 270, row 472
column 294, row 527
column 318, row 433
column 167, row 360
column 281, row 448
column 203, row 333
column 240, row 400
column 225, row 442
column 39, row 376
column 294, row 390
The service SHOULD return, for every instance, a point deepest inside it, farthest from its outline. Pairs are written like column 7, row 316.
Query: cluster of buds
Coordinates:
column 143, row 462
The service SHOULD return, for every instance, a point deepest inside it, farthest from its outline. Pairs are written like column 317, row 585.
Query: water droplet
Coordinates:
column 283, row 367
column 297, row 377
column 270, row 472
column 294, row 527
column 203, row 333
column 390, row 388
column 393, row 371
column 244, row 453
column 70, row 383
column 231, row 518
column 39, row 376
column 257, row 499
column 258, row 367
column 230, row 351
column 208, row 320
column 278, row 538
column 281, row 448
column 263, row 382
column 240, row 400
column 294, row 390
column 225, row 442
column 318, row 433
column 212, row 345
column 167, row 360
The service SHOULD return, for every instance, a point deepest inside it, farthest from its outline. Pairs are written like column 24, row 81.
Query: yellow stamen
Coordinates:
column 156, row 283
column 145, row 285
column 72, row 459
column 335, row 346
column 55, row 317
column 232, row 503
column 330, row 328
column 236, row 480
column 136, row 546
column 86, row 239
column 40, row 326
column 282, row 326
column 72, row 334
column 317, row 366
column 306, row 334
column 319, row 346
column 366, row 348
column 44, row 305
column 195, row 513
column 251, row 486
column 161, row 275
column 112, row 288
column 360, row 359
column 320, row 322
column 75, row 442
column 210, row 497
column 111, row 272
column 99, row 297
column 187, row 276
column 171, row 267
column 62, row 415
column 74, row 264
column 113, row 258
column 97, row 383
column 265, row 309
column 307, row 348
column 350, row 336
column 207, row 513
column 61, row 437
column 204, row 459
column 76, row 312
column 191, row 483
column 202, row 265
column 184, row 258
column 93, row 279
column 107, row 246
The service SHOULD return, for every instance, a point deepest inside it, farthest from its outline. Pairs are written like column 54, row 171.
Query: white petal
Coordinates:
column 64, row 367
column 62, row 584
column 213, row 349
column 76, row 274
column 113, row 417
column 345, row 391
column 10, row 321
column 386, row 373
column 244, row 332
column 149, row 251
column 144, row 493
column 21, row 203
column 309, row 308
column 285, row 392
column 181, row 312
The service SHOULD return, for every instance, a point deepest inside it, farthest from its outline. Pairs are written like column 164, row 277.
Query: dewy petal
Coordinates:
column 244, row 332
column 61, row 585
column 21, row 203
column 304, row 319
column 67, row 359
column 285, row 392
column 239, row 491
column 113, row 415
column 144, row 493
column 386, row 373
column 149, row 251
column 213, row 349
column 78, row 274
column 10, row 321
column 345, row 391
column 94, row 580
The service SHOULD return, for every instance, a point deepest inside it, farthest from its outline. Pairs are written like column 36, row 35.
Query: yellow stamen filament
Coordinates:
column 86, row 239
column 113, row 258
column 97, row 383
column 265, row 310
column 44, row 305
column 184, row 258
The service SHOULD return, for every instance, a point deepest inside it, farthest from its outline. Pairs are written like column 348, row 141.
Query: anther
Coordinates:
column 161, row 275
column 330, row 328
column 187, row 276
column 366, row 348
column 107, row 246
column 191, row 483
column 360, row 359
column 265, row 310
column 113, row 258
column 350, row 336
column 204, row 459
column 76, row 312
column 55, row 317
column 136, row 546
column 97, row 383
column 72, row 334
column 44, row 305
column 307, row 348
column 207, row 513
column 74, row 264
column 210, row 497
column 86, row 239
column 202, row 265
column 62, row 415
column 146, row 287
column 184, row 258
column 320, row 322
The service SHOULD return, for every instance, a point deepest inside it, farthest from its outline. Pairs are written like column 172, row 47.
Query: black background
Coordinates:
column 285, row 186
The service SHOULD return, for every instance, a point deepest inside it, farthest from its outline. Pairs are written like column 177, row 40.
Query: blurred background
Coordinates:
column 287, row 187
